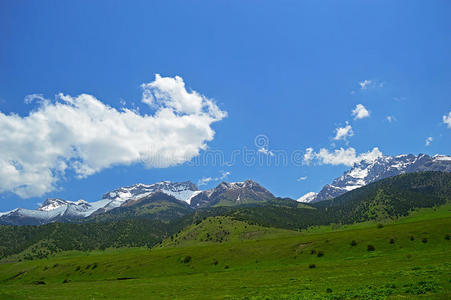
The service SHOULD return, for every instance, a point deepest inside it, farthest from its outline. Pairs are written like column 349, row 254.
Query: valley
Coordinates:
column 324, row 263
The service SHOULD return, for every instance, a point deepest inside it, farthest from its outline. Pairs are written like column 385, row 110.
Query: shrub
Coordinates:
column 328, row 290
column 370, row 248
column 66, row 280
column 392, row 241
column 312, row 252
column 215, row 262
column 412, row 237
column 380, row 225
column 320, row 253
column 424, row 240
column 185, row 259
column 226, row 267
column 447, row 237
column 312, row 266
column 353, row 243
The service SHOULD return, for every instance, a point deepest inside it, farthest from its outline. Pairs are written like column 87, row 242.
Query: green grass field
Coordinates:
column 411, row 258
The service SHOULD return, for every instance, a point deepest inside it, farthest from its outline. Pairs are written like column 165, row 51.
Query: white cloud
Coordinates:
column 447, row 119
column 366, row 84
column 429, row 141
column 360, row 112
column 83, row 135
column 265, row 151
column 347, row 157
column 342, row 133
column 207, row 180
column 224, row 175
column 35, row 97
column 309, row 156
column 204, row 181
column 302, row 178
column 391, row 119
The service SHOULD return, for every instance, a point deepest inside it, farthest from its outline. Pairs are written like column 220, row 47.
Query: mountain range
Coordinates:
column 157, row 217
column 160, row 199
column 168, row 200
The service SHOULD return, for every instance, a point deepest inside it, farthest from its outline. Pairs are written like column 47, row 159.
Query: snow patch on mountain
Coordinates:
column 307, row 197
column 185, row 195
column 441, row 157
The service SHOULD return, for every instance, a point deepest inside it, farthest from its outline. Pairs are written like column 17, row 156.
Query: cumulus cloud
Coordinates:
column 347, row 157
column 428, row 141
column 360, row 112
column 447, row 119
column 206, row 180
column 83, row 135
column 342, row 133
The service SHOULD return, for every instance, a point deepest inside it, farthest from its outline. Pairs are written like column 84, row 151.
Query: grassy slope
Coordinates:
column 223, row 229
column 273, row 267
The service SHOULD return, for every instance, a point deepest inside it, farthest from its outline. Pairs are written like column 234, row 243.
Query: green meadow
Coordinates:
column 404, row 259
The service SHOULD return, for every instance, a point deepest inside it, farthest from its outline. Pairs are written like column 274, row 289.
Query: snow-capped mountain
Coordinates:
column 182, row 191
column 368, row 171
column 55, row 209
column 232, row 193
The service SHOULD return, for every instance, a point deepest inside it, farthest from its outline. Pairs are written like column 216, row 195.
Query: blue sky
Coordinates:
column 290, row 72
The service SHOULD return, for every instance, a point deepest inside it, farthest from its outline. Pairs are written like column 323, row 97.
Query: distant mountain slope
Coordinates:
column 385, row 199
column 368, row 171
column 157, row 205
column 390, row 197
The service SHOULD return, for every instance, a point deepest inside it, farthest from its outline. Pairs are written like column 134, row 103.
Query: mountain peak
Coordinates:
column 232, row 193
column 52, row 203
